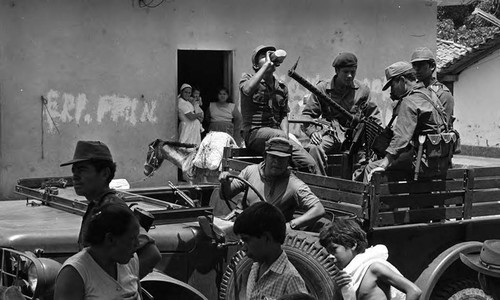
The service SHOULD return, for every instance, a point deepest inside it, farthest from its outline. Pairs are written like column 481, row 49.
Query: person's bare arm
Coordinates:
column 149, row 256
column 310, row 216
column 252, row 84
column 385, row 274
column 194, row 116
column 69, row 285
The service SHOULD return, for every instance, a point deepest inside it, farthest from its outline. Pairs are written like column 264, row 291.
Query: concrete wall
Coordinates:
column 477, row 103
column 108, row 68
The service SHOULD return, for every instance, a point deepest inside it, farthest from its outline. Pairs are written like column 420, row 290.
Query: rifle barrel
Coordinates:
column 302, row 81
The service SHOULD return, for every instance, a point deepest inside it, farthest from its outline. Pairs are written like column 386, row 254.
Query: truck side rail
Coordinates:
column 463, row 194
column 390, row 199
column 338, row 196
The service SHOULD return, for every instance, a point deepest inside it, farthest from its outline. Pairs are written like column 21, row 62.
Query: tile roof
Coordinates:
column 448, row 51
column 455, row 58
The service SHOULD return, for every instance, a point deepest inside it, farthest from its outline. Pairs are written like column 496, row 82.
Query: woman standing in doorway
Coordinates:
column 189, row 119
column 223, row 115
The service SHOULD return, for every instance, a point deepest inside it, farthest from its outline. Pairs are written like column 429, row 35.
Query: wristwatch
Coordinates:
column 292, row 224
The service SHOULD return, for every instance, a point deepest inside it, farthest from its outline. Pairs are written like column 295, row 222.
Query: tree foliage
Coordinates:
column 458, row 24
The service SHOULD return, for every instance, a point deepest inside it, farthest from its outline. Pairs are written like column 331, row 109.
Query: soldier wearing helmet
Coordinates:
column 264, row 107
column 424, row 64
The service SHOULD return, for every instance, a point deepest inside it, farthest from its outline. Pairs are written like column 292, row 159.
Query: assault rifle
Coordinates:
column 365, row 129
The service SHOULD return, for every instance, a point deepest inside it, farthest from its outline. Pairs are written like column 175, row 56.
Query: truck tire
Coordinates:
column 304, row 252
column 466, row 289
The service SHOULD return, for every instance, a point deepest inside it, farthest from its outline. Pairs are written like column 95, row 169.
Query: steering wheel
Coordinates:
column 245, row 194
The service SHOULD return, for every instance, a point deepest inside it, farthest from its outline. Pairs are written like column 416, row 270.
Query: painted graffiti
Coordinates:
column 77, row 109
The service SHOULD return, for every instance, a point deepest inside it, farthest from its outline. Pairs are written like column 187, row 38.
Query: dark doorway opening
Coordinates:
column 208, row 70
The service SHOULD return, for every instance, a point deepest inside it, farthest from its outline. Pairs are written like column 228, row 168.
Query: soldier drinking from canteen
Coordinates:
column 349, row 93
column 264, row 107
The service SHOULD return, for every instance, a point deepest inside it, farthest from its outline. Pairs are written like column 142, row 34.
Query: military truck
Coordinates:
column 426, row 224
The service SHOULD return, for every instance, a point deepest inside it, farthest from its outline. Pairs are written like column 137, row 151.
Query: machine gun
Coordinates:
column 365, row 129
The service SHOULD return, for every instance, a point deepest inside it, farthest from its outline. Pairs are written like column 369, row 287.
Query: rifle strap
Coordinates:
column 439, row 109
column 394, row 115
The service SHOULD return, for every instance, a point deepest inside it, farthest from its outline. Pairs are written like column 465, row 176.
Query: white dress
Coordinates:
column 189, row 130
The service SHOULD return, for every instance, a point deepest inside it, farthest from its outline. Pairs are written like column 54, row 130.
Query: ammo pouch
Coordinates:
column 438, row 150
column 440, row 145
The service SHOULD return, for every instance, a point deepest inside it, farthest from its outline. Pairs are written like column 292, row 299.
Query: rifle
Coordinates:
column 364, row 127
column 316, row 122
column 182, row 194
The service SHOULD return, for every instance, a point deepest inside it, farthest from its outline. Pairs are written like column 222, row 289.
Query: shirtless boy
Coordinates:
column 366, row 269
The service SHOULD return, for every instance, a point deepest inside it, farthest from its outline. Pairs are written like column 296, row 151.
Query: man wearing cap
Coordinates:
column 264, row 108
column 346, row 91
column 416, row 115
column 487, row 264
column 273, row 179
column 424, row 64
column 93, row 169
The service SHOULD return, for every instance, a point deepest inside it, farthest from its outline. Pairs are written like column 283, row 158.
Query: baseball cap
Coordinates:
column 90, row 150
column 279, row 146
column 395, row 70
column 259, row 50
column 345, row 59
column 422, row 54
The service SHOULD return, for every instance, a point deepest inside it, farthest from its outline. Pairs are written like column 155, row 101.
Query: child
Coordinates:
column 364, row 273
column 197, row 103
column 262, row 230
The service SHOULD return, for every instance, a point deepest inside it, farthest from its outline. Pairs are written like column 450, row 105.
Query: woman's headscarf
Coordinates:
column 183, row 86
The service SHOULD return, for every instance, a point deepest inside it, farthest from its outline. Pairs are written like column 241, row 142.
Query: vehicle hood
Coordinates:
column 33, row 227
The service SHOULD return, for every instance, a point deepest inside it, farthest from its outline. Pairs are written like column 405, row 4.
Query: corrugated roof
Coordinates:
column 455, row 60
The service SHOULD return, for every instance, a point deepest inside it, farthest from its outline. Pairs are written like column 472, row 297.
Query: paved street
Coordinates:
column 464, row 160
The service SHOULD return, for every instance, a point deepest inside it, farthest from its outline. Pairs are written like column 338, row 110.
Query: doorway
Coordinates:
column 208, row 70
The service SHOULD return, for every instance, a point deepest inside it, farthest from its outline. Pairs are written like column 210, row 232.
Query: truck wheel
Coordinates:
column 466, row 289
column 303, row 251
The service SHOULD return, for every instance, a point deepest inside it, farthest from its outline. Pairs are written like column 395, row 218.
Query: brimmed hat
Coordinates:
column 395, row 70
column 422, row 54
column 259, row 50
column 279, row 146
column 344, row 60
column 487, row 261
column 90, row 150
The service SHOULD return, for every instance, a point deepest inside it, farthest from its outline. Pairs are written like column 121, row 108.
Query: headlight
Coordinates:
column 35, row 277
column 42, row 274
column 32, row 277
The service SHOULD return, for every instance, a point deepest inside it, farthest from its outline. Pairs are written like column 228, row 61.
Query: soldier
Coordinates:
column 418, row 113
column 264, row 107
column 424, row 64
column 349, row 93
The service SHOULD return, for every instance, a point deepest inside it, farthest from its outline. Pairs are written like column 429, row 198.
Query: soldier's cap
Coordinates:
column 345, row 59
column 487, row 261
column 395, row 70
column 422, row 54
column 279, row 146
column 257, row 51
column 90, row 150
